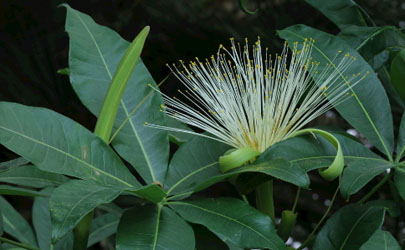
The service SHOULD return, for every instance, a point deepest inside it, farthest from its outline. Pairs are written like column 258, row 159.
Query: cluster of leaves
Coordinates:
column 77, row 172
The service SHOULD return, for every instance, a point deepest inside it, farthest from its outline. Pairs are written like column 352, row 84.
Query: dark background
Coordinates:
column 33, row 46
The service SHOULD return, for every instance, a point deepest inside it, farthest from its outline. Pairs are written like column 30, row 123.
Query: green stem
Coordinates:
column 296, row 200
column 264, row 199
column 311, row 235
column 376, row 187
column 18, row 244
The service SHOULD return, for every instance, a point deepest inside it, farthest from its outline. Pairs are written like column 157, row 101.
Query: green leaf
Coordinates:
column 381, row 240
column 341, row 12
column 13, row 163
column 102, row 227
column 370, row 116
column 392, row 207
column 349, row 227
column 398, row 74
column 64, row 71
column 11, row 190
column 178, row 137
column 71, row 201
column 193, row 163
column 151, row 192
column 399, row 180
column 153, row 227
column 242, row 4
column 15, row 224
column 31, row 176
column 95, row 52
column 401, row 139
column 41, row 220
column 55, row 143
column 359, row 173
column 232, row 220
column 1, row 224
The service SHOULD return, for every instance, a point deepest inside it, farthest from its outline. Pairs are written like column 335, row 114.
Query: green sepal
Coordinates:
column 234, row 158
column 336, row 168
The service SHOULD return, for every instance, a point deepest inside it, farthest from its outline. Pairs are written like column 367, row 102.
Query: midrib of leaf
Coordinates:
column 351, row 229
column 99, row 229
column 226, row 217
column 122, row 102
column 12, row 226
column 68, row 155
column 155, row 238
column 372, row 35
column 331, row 156
column 74, row 206
column 189, row 175
column 385, row 241
column 363, row 174
column 387, row 152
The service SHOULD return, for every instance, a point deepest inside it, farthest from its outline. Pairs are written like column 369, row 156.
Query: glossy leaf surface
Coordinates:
column 381, row 240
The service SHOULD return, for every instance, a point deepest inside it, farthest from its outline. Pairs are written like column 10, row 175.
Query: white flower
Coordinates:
column 256, row 101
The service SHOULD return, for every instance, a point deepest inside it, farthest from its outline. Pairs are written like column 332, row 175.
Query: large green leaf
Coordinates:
column 341, row 12
column 381, row 240
column 95, row 52
column 13, row 163
column 178, row 137
column 401, row 139
column 41, row 220
column 370, row 116
column 31, row 176
column 153, row 227
column 359, row 173
column 398, row 74
column 15, row 225
column 57, row 144
column 102, row 227
column 232, row 220
column 193, row 163
column 71, row 201
column 349, row 227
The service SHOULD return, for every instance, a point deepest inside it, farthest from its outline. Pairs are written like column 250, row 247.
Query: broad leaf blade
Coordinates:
column 95, row 52
column 232, row 220
column 371, row 116
column 349, row 227
column 153, row 227
column 398, row 74
column 31, row 176
column 15, row 225
column 57, row 144
column 71, row 201
column 102, row 227
column 357, row 174
column 381, row 240
column 41, row 220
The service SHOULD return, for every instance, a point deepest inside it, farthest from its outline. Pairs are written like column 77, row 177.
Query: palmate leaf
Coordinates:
column 371, row 116
column 57, row 144
column 231, row 220
column 153, row 227
column 95, row 52
column 349, row 227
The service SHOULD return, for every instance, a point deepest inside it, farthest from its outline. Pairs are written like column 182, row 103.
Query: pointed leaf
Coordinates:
column 57, row 144
column 41, row 220
column 11, row 190
column 371, row 116
column 349, row 227
column 95, row 52
column 399, row 180
column 397, row 73
column 31, row 176
column 151, row 192
column 381, row 240
column 359, row 173
column 102, row 227
column 232, row 220
column 15, row 225
column 13, row 163
column 153, row 227
column 401, row 139
column 71, row 201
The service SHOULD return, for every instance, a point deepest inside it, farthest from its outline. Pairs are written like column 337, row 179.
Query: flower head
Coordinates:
column 251, row 99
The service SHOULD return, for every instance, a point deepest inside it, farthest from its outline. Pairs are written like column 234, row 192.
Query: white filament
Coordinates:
column 257, row 102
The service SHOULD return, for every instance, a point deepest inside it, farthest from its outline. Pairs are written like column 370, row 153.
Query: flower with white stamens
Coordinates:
column 255, row 101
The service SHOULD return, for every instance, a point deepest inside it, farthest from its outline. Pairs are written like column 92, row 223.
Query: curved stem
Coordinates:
column 296, row 200
column 376, row 187
column 311, row 235
column 18, row 244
